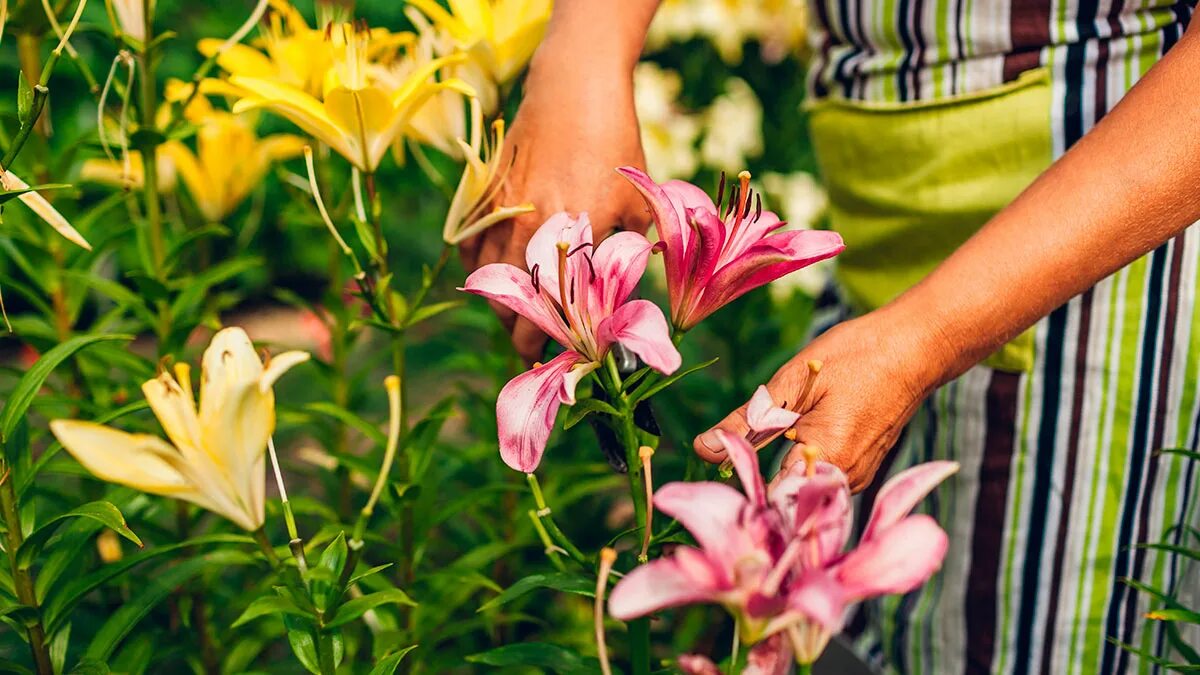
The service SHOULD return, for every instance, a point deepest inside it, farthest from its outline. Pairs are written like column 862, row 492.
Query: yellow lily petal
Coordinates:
column 140, row 461
column 303, row 110
column 365, row 115
column 194, row 177
column 280, row 364
column 442, row 18
column 280, row 147
column 238, row 59
column 476, row 15
column 43, row 209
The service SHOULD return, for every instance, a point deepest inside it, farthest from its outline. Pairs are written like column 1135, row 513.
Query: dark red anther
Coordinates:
column 578, row 248
column 720, row 192
column 746, row 211
column 733, row 199
column 757, row 207
column 533, row 275
column 591, row 267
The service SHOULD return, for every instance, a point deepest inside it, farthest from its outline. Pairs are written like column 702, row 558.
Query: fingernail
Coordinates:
column 711, row 441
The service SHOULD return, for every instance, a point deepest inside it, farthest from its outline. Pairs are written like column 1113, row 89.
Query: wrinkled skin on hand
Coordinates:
column 872, row 379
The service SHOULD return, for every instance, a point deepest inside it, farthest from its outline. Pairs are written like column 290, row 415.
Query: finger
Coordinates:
column 786, row 387
column 529, row 340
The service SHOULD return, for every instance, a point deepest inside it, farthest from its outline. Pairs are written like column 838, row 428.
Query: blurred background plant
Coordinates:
column 221, row 229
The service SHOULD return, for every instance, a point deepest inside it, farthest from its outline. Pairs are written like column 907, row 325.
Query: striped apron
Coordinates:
column 1057, row 435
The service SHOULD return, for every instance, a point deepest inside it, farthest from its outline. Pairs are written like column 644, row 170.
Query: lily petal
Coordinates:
column 696, row 664
column 512, row 287
column 619, row 262
column 772, row 656
column 818, row 597
column 686, row 577
column 764, row 416
column 667, row 220
column 897, row 560
column 641, row 326
column 280, row 364
column 526, row 407
column 140, row 461
column 710, row 511
column 745, row 463
column 541, row 254
column 901, row 494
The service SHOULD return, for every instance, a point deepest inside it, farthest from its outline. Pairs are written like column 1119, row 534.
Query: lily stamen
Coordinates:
column 645, row 453
column 608, row 556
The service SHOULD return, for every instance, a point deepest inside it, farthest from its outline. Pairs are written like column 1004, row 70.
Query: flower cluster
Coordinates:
column 774, row 558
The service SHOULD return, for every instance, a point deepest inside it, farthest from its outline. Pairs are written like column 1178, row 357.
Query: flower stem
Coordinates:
column 545, row 520
column 148, row 147
column 23, row 578
column 639, row 645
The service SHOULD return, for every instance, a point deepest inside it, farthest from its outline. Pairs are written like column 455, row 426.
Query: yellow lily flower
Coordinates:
column 216, row 457
column 481, row 181
column 293, row 53
column 38, row 204
column 231, row 160
column 502, row 33
column 358, row 115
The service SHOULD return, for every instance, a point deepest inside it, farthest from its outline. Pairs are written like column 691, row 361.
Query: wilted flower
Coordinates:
column 733, row 127
column 38, row 204
column 500, row 35
column 712, row 259
column 472, row 210
column 216, row 455
column 668, row 133
column 773, row 557
column 578, row 294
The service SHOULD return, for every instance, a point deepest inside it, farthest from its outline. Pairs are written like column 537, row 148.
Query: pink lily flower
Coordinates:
column 774, row 557
column 712, row 259
column 578, row 294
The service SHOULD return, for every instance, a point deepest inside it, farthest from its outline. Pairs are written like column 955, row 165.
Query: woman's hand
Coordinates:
column 576, row 124
column 874, row 373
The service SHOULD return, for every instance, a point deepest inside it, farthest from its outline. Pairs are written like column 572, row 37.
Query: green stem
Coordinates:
column 639, row 645
column 803, row 669
column 23, row 578
column 148, row 146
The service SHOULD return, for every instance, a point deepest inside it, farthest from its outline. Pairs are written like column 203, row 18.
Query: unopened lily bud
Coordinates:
column 108, row 545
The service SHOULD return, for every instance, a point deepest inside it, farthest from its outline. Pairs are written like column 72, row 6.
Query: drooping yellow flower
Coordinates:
column 501, row 34
column 357, row 114
column 127, row 174
column 471, row 210
column 38, row 204
column 216, row 455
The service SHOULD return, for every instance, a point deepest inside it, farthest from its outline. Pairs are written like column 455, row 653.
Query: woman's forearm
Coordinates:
column 596, row 34
column 1128, row 186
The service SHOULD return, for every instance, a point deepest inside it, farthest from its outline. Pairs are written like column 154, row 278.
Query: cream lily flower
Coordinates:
column 216, row 457
column 357, row 115
column 502, row 33
column 481, row 181
column 38, row 204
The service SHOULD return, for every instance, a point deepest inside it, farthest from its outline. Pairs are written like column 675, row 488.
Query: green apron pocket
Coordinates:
column 909, row 183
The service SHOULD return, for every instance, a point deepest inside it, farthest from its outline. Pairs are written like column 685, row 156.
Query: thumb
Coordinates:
column 708, row 444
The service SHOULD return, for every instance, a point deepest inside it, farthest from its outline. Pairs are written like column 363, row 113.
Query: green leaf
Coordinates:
column 9, row 195
column 25, row 391
column 269, row 604
column 152, row 590
column 388, row 664
column 59, row 603
column 430, row 311
column 367, row 238
column 103, row 512
column 300, row 634
column 1184, row 615
column 1181, row 452
column 536, row 654
column 559, row 581
column 585, row 407
column 650, row 387
column 349, row 419
column 325, row 591
column 22, row 614
column 371, row 572
column 355, row 608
